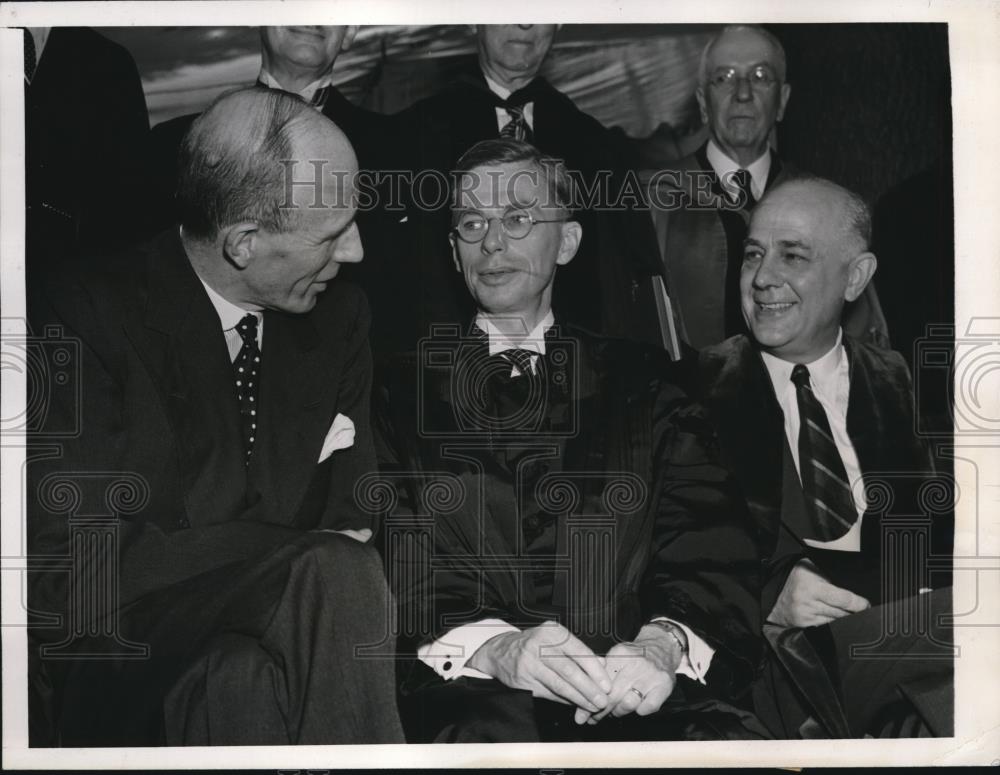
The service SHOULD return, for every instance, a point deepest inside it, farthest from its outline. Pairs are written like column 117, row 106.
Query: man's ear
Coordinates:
column 239, row 243
column 859, row 274
column 572, row 233
column 352, row 30
column 699, row 95
column 786, row 92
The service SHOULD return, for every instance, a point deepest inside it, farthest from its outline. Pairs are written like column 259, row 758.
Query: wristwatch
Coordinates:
column 673, row 631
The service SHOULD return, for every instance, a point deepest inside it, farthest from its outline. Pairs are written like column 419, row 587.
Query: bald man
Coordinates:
column 225, row 386
column 816, row 426
column 701, row 206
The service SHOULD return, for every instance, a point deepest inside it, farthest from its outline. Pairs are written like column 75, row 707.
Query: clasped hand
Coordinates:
column 550, row 662
column 808, row 599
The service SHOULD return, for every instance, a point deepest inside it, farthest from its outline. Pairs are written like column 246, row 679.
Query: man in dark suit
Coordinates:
column 700, row 207
column 583, row 549
column 213, row 448
column 819, row 430
column 607, row 288
column 85, row 136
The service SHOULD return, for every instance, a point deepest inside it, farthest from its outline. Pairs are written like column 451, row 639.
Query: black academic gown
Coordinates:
column 589, row 496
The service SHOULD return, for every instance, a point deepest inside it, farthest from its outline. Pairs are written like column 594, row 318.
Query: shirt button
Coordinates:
column 446, row 666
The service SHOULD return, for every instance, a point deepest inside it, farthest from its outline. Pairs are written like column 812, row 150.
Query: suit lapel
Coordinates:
column 297, row 399
column 750, row 424
column 180, row 341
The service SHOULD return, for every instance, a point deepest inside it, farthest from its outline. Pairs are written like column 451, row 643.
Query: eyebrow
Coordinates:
column 785, row 243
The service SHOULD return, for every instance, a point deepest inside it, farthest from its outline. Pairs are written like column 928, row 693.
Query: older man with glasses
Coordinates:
column 700, row 207
column 570, row 561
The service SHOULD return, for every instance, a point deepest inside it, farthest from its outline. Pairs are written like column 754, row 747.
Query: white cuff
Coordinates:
column 448, row 654
column 699, row 654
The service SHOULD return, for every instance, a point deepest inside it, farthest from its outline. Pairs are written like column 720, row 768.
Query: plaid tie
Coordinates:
column 517, row 128
column 246, row 368
column 824, row 480
column 743, row 180
column 521, row 359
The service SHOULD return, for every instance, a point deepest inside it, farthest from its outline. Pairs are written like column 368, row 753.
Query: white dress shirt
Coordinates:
column 503, row 117
column 725, row 167
column 830, row 380
column 229, row 316
column 534, row 341
column 449, row 653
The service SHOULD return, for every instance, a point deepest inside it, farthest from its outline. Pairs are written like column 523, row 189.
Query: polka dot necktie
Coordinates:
column 824, row 479
column 247, row 367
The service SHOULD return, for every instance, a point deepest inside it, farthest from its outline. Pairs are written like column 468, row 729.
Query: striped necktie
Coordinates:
column 742, row 179
column 517, row 128
column 824, row 479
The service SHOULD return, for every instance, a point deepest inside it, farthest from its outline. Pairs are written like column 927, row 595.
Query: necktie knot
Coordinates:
column 247, row 329
column 521, row 359
column 517, row 128
column 800, row 376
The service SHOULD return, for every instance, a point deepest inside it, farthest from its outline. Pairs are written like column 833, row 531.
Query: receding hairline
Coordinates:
column 854, row 213
column 777, row 49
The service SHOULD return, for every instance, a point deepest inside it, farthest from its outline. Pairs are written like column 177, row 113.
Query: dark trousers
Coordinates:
column 287, row 646
column 884, row 672
column 475, row 710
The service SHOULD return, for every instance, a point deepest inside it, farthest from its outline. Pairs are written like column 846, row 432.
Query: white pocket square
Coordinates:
column 340, row 436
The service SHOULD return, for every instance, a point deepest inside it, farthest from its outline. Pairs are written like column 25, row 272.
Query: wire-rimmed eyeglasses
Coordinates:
column 516, row 224
column 760, row 78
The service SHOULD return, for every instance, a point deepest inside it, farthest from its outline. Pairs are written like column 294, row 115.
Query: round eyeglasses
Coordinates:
column 760, row 78
column 516, row 224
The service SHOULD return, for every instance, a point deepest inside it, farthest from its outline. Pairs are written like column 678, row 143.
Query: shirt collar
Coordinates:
column 502, row 92
column 500, row 342
column 307, row 93
column 822, row 372
column 229, row 314
column 724, row 167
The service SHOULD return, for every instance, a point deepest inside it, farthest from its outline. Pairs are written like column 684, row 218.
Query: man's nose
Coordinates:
column 768, row 273
column 495, row 238
column 744, row 92
column 350, row 250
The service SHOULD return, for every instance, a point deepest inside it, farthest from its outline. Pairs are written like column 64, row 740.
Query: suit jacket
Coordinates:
column 86, row 130
column 605, row 288
column 156, row 407
column 734, row 386
column 700, row 236
column 607, row 451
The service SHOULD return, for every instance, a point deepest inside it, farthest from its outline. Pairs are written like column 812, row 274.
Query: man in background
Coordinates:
column 701, row 205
